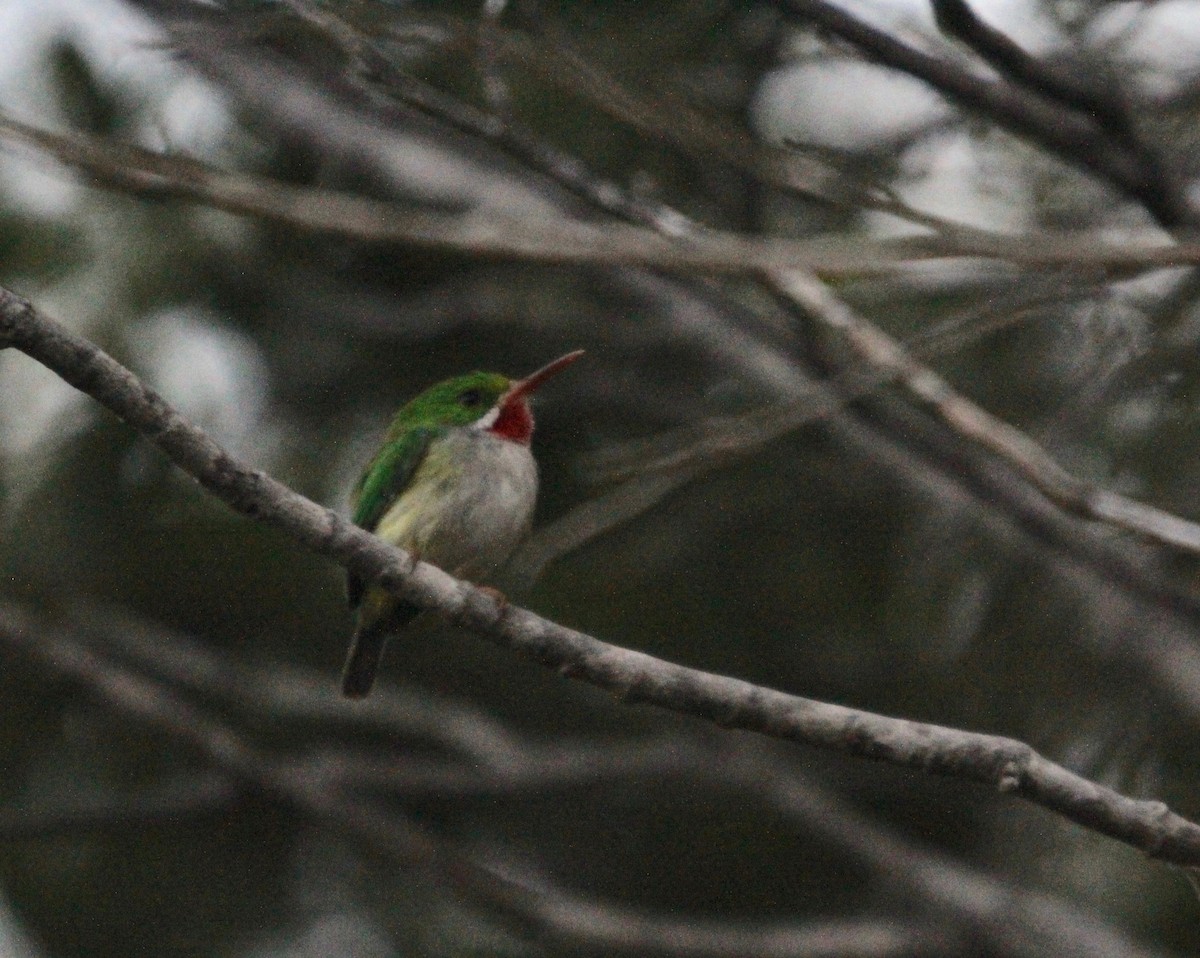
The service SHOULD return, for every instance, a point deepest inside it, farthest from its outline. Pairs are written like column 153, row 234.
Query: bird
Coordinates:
column 454, row 483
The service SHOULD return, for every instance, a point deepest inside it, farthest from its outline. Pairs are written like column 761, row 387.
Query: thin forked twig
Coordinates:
column 1052, row 125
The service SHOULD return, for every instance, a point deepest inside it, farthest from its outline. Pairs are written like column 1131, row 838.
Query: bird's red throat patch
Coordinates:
column 515, row 422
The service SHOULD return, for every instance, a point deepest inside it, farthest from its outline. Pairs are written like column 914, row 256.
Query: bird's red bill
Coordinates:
column 531, row 382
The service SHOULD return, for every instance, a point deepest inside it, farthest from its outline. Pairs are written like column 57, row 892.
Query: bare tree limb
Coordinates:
column 1064, row 132
column 711, row 443
column 1099, row 101
column 966, row 418
column 1045, row 77
column 687, row 456
column 977, row 425
column 1008, row 765
column 559, row 240
column 615, row 512
column 809, row 177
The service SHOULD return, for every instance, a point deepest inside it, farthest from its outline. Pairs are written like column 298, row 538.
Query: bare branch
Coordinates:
column 1006, row 764
column 688, row 453
column 979, row 426
column 1063, row 131
column 560, row 240
column 290, row 693
column 484, row 757
column 712, row 443
column 595, row 517
column 190, row 795
column 542, row 912
column 1047, row 78
column 1099, row 101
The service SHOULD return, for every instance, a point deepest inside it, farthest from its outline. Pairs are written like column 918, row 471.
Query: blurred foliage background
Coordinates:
column 873, row 558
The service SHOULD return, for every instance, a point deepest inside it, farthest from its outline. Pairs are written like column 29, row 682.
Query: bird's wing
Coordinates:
column 380, row 485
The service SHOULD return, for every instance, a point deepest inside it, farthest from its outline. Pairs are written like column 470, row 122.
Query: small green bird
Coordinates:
column 455, row 484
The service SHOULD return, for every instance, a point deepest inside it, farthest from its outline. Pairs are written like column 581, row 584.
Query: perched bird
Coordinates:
column 454, row 484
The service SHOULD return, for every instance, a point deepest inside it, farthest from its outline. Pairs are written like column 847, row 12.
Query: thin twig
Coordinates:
column 687, row 455
column 714, row 442
column 198, row 794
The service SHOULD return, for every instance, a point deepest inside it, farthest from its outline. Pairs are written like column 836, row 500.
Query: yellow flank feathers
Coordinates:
column 414, row 518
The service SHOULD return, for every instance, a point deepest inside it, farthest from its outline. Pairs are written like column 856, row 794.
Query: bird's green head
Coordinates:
column 486, row 400
column 460, row 401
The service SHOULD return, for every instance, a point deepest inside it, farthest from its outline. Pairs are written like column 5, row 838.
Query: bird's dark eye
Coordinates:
column 470, row 397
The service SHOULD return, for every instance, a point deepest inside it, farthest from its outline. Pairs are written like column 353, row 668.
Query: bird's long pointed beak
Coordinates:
column 523, row 387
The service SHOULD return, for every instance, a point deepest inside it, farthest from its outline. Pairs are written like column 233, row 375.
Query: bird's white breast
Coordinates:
column 469, row 505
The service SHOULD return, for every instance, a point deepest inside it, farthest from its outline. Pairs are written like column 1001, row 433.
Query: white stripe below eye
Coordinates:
column 487, row 420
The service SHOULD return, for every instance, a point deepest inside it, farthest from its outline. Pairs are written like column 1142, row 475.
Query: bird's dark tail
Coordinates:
column 362, row 662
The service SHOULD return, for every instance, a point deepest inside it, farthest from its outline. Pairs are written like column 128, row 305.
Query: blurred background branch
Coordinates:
column 487, row 759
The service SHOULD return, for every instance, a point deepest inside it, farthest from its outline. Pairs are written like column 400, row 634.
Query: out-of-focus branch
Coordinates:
column 560, row 240
column 375, row 74
column 651, row 468
column 542, row 912
column 288, row 693
column 1045, row 77
column 709, row 444
column 789, row 171
column 1065, row 132
column 1097, row 100
column 689, row 455
column 482, row 757
column 1009, row 765
column 669, row 117
column 977, row 425
column 193, row 795
column 154, row 704
column 968, row 419
column 593, row 518
column 613, row 510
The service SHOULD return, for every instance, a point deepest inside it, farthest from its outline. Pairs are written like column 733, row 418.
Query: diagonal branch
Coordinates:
column 1098, row 100
column 543, row 913
column 188, row 795
column 304, row 210
column 684, row 455
column 481, row 756
column 977, row 425
column 1068, row 134
column 1010, row 766
column 1047, row 78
